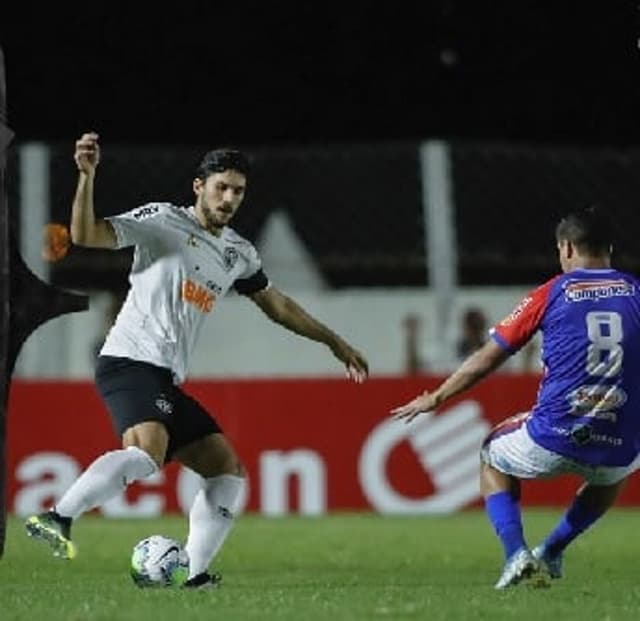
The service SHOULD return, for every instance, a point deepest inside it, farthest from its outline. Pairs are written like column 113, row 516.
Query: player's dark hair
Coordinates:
column 220, row 160
column 590, row 230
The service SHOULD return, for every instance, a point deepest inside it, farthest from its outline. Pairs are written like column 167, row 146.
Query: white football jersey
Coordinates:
column 179, row 272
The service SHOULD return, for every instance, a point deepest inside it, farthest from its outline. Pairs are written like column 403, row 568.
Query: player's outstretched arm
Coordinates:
column 476, row 367
column 289, row 314
column 86, row 229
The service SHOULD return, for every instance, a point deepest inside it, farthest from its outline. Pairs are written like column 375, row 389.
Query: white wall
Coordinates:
column 238, row 340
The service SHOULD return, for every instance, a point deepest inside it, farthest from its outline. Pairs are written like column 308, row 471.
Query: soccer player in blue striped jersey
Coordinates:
column 586, row 418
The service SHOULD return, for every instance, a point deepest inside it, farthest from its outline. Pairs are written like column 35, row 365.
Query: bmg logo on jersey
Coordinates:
column 197, row 295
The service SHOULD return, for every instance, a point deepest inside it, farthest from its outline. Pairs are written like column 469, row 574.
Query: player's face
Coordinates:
column 218, row 198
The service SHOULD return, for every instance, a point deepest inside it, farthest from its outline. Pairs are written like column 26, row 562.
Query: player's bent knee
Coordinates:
column 150, row 437
column 213, row 466
column 601, row 498
column 226, row 463
column 210, row 457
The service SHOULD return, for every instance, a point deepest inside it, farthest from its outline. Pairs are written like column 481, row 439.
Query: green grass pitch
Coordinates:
column 344, row 566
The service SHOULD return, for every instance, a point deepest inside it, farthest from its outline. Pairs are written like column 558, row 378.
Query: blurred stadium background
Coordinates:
column 385, row 231
column 391, row 244
column 409, row 167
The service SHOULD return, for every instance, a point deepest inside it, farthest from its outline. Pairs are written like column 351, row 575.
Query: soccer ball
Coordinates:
column 159, row 561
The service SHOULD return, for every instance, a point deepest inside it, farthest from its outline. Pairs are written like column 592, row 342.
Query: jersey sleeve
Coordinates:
column 253, row 278
column 135, row 226
column 522, row 323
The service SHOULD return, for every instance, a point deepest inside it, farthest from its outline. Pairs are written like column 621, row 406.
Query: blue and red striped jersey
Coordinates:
column 588, row 402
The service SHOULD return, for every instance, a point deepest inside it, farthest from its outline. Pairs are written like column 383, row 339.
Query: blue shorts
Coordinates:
column 135, row 392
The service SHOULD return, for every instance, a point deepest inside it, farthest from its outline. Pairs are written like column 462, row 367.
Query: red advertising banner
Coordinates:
column 309, row 445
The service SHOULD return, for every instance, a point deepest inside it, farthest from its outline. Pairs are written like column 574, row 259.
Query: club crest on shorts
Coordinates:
column 229, row 258
column 164, row 405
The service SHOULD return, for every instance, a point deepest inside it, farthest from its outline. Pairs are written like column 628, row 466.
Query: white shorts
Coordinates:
column 511, row 450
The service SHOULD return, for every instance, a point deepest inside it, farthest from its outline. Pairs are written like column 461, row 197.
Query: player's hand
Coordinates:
column 87, row 154
column 426, row 402
column 355, row 363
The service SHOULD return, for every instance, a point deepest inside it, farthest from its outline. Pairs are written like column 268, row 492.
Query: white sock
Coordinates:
column 211, row 518
column 104, row 478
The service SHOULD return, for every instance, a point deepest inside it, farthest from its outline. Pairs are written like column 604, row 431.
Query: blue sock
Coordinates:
column 504, row 513
column 575, row 521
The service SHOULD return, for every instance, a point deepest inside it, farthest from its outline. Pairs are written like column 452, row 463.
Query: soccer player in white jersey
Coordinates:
column 185, row 260
column 585, row 420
